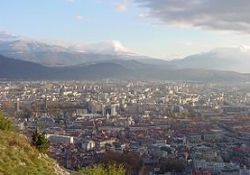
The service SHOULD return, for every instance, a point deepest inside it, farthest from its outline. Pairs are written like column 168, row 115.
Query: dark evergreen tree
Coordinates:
column 40, row 141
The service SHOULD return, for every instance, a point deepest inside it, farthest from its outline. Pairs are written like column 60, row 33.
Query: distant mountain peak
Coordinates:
column 234, row 58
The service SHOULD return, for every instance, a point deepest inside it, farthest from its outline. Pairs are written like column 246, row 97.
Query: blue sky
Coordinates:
column 136, row 23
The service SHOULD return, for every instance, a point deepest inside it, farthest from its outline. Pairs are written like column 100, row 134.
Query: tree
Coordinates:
column 40, row 141
column 131, row 161
column 111, row 169
column 5, row 124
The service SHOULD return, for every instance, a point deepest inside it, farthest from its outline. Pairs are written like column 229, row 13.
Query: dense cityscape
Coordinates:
column 152, row 127
column 125, row 87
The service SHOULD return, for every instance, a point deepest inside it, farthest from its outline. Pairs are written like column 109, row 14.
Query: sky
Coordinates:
column 158, row 28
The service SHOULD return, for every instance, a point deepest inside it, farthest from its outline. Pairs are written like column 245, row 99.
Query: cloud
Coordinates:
column 79, row 17
column 143, row 15
column 185, row 43
column 82, row 18
column 106, row 47
column 71, row 1
column 229, row 15
column 122, row 6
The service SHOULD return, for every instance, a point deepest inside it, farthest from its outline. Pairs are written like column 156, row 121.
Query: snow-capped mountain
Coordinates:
column 53, row 54
column 236, row 58
column 57, row 54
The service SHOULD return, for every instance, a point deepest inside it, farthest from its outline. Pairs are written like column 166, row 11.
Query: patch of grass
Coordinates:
column 5, row 123
column 111, row 169
column 18, row 157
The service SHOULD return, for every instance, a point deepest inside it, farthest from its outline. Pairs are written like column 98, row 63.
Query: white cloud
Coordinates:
column 230, row 15
column 108, row 47
column 79, row 17
column 82, row 18
column 185, row 43
column 105, row 47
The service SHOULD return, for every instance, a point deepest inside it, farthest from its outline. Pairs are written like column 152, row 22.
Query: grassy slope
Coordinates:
column 18, row 157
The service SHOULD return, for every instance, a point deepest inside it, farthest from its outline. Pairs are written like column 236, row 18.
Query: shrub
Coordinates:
column 40, row 141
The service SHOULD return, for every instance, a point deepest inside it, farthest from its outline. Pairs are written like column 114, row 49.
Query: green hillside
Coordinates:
column 18, row 157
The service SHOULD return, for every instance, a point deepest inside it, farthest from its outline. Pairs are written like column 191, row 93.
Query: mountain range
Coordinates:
column 24, row 58
column 13, row 69
column 54, row 54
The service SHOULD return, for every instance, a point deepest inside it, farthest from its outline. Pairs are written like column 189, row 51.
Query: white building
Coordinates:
column 113, row 110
